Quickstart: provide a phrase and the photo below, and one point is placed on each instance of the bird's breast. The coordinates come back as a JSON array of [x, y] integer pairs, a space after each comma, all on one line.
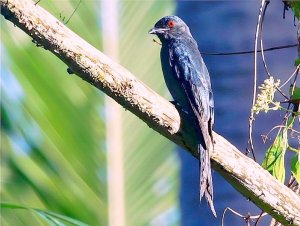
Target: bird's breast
[[172, 80]]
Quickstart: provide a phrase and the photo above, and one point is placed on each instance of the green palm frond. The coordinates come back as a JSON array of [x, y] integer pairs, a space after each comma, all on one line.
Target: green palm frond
[[53, 125]]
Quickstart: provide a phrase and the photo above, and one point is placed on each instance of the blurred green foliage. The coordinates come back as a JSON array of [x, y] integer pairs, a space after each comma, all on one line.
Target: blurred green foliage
[[53, 150], [295, 6], [274, 159], [49, 217]]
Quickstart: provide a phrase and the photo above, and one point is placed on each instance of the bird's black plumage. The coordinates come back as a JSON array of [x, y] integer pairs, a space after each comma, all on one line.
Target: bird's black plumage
[[188, 81]]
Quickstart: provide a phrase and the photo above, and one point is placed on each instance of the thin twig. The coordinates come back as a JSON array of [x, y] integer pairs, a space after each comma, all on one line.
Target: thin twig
[[265, 137], [293, 184], [157, 42], [73, 12], [291, 181], [259, 218], [294, 82], [251, 118], [245, 217], [282, 93], [261, 39], [294, 73], [293, 85], [262, 49]]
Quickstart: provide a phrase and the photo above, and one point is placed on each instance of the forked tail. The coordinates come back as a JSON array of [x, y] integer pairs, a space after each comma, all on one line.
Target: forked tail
[[206, 185]]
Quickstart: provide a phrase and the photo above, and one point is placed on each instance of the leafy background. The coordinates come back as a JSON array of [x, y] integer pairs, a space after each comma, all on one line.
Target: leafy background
[[53, 146]]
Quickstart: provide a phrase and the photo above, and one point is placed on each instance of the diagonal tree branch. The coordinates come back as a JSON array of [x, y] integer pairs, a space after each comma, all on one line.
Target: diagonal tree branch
[[241, 172]]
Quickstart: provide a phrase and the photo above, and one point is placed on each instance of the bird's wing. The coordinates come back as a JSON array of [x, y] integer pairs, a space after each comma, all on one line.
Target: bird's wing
[[190, 70]]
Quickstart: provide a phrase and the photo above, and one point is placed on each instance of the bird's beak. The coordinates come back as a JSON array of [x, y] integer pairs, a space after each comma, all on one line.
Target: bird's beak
[[155, 30]]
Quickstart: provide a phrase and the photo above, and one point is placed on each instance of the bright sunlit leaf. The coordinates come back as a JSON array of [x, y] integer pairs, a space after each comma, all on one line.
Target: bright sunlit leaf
[[295, 167], [50, 217], [274, 158], [297, 62], [296, 94]]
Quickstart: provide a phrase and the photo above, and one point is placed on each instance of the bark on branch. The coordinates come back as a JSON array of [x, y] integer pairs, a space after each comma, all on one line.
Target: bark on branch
[[244, 174]]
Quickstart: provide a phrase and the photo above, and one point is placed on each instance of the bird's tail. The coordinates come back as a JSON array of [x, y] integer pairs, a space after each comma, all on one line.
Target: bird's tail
[[206, 185]]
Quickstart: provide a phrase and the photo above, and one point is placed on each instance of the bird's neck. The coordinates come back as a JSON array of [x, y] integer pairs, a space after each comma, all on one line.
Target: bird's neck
[[170, 40]]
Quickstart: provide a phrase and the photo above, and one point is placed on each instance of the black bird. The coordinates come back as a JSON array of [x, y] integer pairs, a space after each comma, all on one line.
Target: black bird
[[188, 81]]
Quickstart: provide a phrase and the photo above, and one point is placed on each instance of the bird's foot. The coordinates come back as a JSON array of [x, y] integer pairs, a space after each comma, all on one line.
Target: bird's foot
[[174, 102]]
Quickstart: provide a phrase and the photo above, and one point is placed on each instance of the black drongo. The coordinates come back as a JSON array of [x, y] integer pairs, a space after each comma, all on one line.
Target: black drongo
[[188, 81]]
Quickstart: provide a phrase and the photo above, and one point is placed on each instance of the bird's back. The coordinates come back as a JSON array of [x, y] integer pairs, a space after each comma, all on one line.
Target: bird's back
[[183, 68]]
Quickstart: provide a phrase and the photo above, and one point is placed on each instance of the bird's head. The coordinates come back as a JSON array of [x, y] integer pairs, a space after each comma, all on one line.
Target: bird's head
[[170, 27]]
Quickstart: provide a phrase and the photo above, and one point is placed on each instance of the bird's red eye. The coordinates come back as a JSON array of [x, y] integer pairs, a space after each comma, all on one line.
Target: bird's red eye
[[171, 23]]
